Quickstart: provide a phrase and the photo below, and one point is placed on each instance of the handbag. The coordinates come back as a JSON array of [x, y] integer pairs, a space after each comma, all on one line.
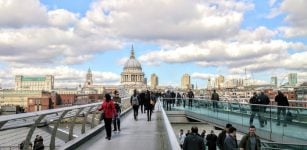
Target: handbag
[[152, 102], [102, 115]]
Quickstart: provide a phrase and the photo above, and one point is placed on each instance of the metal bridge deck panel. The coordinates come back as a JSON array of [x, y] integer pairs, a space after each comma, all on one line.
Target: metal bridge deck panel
[[134, 135]]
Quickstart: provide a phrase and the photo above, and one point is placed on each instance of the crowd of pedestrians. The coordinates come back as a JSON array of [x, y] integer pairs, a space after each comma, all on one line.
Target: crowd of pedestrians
[[259, 107], [111, 108], [146, 100], [225, 140]]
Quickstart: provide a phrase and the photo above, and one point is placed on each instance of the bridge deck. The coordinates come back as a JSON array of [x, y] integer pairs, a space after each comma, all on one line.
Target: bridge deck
[[134, 135]]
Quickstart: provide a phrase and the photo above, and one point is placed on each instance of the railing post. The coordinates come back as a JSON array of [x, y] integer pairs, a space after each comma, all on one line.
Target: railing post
[[270, 121], [55, 129], [72, 125], [30, 133], [85, 120], [93, 119]]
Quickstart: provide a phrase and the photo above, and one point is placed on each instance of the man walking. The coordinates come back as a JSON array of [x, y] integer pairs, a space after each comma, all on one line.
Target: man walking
[[116, 119], [254, 109], [230, 142], [250, 141], [134, 101], [262, 109], [211, 140], [190, 96], [282, 103], [193, 141], [215, 98], [221, 137]]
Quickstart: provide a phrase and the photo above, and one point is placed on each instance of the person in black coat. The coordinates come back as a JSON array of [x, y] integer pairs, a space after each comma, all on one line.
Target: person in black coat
[[142, 100], [211, 140], [193, 141], [255, 109], [264, 101], [282, 101], [148, 105]]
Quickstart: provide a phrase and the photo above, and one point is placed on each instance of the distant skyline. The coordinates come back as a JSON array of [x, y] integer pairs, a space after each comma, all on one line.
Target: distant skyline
[[253, 39]]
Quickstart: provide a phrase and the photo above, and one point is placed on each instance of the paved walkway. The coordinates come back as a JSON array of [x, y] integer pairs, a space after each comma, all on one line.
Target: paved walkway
[[134, 135]]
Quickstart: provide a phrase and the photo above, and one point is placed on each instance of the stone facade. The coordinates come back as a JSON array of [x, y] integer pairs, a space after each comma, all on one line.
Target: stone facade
[[45, 83]]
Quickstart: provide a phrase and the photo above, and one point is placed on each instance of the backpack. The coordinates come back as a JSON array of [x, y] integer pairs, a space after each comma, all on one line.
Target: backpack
[[135, 100]]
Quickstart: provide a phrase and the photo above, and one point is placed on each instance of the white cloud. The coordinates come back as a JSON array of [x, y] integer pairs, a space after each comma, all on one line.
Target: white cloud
[[175, 19], [55, 37], [296, 13], [62, 18], [16, 13], [260, 54]]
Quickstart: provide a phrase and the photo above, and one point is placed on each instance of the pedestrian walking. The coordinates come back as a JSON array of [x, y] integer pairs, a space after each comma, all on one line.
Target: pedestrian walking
[[190, 96], [193, 141], [181, 137], [211, 140], [108, 109], [215, 98], [282, 103], [134, 101], [230, 142], [221, 137], [250, 141], [117, 104], [255, 108]]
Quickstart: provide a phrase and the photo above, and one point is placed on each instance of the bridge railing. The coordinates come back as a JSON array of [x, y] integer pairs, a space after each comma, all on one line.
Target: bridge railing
[[85, 116], [276, 123], [170, 132]]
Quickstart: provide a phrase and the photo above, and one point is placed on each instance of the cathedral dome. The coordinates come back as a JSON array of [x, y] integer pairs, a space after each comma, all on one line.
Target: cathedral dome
[[132, 63]]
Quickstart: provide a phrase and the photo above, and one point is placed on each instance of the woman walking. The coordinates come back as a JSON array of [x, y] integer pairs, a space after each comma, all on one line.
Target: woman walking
[[108, 109]]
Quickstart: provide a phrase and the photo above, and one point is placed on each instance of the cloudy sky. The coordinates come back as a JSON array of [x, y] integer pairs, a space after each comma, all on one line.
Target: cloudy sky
[[204, 38]]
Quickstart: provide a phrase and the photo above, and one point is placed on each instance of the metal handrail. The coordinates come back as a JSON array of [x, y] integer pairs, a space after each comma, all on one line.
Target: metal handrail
[[236, 103], [171, 135], [34, 119], [43, 112]]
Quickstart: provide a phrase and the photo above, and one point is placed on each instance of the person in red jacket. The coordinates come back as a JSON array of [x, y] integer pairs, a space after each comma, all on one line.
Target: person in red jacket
[[109, 112]]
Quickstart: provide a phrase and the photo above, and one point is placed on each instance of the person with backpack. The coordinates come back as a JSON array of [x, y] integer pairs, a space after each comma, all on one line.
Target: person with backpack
[[215, 98], [109, 112], [282, 102], [116, 119], [134, 101]]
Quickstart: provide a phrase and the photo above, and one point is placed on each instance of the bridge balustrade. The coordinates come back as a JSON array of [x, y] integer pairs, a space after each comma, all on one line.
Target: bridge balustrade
[[62, 120], [291, 129]]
